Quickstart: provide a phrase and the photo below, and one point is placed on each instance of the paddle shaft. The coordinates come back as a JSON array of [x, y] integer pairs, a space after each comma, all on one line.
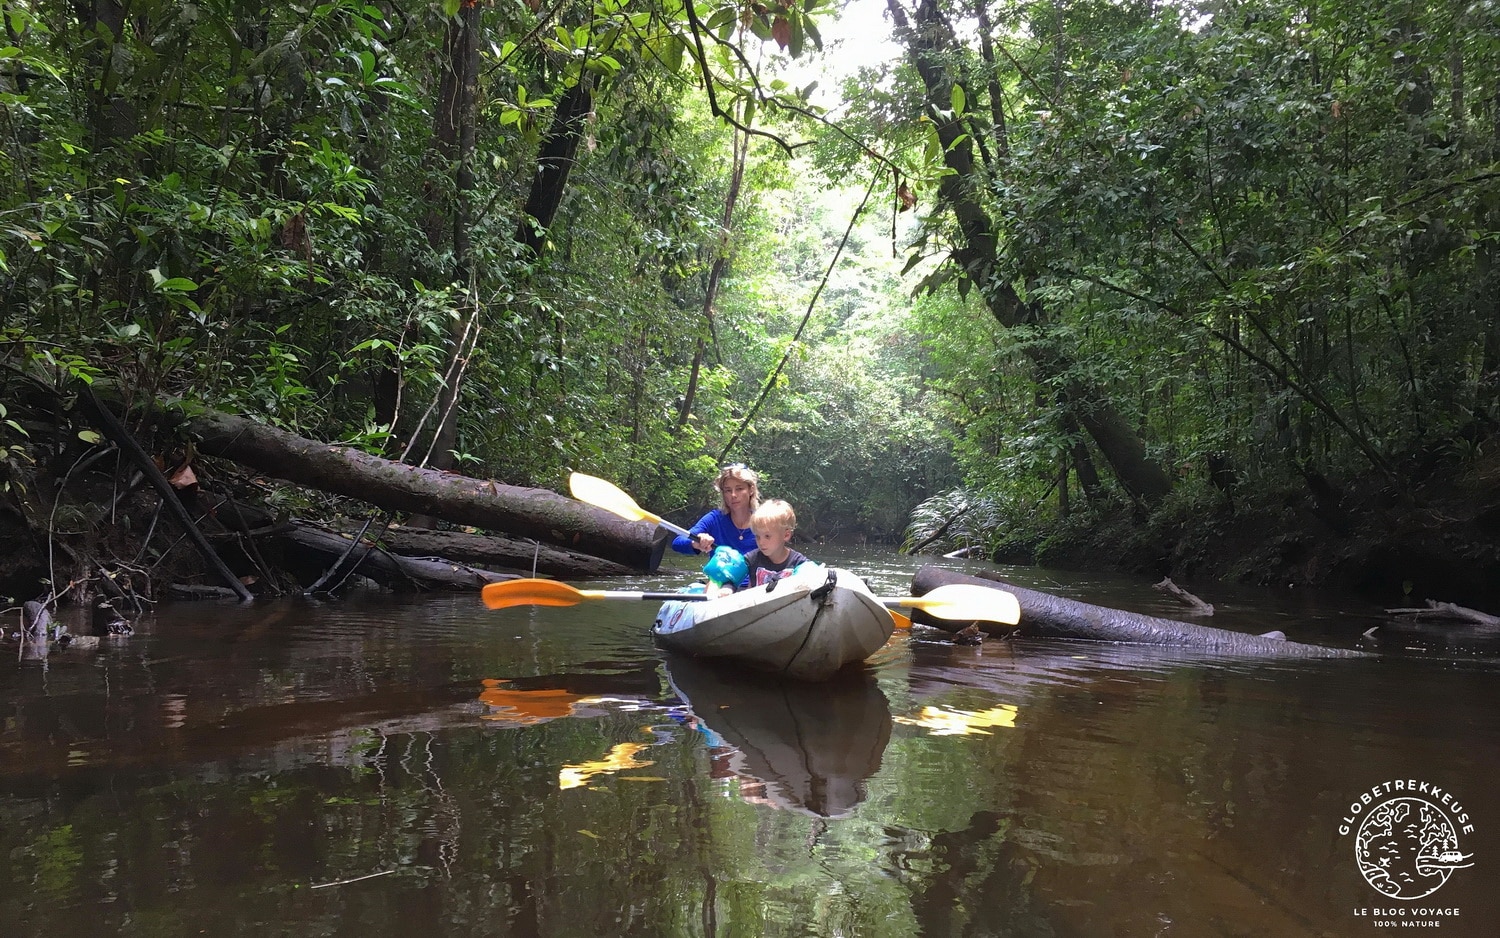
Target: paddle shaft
[[664, 523], [632, 595]]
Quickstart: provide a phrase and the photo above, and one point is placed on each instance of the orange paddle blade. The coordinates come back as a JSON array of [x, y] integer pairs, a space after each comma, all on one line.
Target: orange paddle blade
[[900, 621], [530, 592]]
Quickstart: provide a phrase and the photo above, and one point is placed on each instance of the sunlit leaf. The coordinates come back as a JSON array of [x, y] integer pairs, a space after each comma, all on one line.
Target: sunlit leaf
[[946, 721]]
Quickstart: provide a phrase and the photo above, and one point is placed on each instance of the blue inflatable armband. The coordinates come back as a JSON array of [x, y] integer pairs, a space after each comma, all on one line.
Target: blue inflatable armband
[[726, 567]]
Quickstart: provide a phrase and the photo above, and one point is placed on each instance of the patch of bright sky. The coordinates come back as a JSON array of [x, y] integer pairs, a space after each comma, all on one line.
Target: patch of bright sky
[[859, 37]]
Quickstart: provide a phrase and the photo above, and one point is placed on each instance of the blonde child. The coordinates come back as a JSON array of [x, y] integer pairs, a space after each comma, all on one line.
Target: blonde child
[[773, 523]]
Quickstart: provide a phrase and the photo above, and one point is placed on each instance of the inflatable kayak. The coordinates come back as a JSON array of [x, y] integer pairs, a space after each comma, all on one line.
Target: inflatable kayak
[[806, 626]]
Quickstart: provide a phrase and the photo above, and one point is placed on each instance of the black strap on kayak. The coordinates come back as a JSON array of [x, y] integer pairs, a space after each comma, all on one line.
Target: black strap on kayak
[[823, 596], [820, 595]]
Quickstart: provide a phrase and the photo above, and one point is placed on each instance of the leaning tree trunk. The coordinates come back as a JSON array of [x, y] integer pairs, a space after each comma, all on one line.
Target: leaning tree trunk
[[525, 512], [1047, 616], [554, 163], [715, 274], [930, 45]]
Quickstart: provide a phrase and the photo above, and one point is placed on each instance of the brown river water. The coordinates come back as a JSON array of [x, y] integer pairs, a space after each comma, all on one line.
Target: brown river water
[[424, 766]]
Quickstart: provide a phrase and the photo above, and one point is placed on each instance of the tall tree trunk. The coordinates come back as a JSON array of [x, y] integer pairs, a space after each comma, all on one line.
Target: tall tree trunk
[[453, 129], [1487, 307], [111, 116], [929, 42], [554, 162]]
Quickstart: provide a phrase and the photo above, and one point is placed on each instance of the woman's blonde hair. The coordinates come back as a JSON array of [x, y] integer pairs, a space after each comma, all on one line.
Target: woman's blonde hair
[[742, 473], [774, 514]]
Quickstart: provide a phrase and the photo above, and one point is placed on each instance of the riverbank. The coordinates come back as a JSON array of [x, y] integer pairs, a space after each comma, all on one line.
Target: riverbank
[[77, 516], [1439, 540]]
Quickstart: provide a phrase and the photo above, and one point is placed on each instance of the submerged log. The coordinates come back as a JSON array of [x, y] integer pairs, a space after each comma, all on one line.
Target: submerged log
[[516, 510], [525, 557], [1045, 615], [508, 554], [1449, 612], [317, 550]]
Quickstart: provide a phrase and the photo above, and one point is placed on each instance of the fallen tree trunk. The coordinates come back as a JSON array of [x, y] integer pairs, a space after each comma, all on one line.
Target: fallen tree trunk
[[511, 555], [313, 551], [519, 511], [524, 557], [1044, 615]]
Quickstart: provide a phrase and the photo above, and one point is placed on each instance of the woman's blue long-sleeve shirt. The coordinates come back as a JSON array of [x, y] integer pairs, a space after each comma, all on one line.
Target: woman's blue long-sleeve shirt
[[717, 525]]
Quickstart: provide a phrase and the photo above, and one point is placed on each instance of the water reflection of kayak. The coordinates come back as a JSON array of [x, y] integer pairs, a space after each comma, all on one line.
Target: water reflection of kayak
[[806, 626], [811, 746]]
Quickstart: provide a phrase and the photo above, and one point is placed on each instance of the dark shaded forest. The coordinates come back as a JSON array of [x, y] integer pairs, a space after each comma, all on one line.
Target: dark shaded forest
[[1206, 290]]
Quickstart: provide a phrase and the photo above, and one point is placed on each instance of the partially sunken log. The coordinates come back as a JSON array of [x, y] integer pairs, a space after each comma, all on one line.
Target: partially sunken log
[[1450, 612], [527, 558], [515, 510], [316, 550], [1044, 615]]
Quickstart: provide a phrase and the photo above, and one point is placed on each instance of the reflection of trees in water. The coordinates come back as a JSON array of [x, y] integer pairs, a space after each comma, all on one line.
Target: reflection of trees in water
[[975, 880]]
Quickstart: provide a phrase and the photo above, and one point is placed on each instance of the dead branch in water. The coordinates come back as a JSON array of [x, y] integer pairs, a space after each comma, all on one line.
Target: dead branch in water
[[1193, 602], [1449, 612]]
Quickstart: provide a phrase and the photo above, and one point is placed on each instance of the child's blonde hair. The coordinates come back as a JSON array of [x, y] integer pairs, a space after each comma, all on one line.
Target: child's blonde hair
[[772, 514]]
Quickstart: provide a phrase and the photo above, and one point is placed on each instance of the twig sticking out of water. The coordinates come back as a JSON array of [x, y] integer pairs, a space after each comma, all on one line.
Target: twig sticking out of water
[[345, 882], [1197, 605]]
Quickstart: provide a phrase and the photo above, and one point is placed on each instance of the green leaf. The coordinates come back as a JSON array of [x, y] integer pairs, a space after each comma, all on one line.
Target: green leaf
[[671, 53]]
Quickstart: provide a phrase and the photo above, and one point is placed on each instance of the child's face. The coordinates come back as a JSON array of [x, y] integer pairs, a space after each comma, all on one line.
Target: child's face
[[773, 541]]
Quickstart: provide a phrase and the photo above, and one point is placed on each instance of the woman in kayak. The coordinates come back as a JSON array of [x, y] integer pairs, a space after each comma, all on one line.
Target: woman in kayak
[[729, 526]]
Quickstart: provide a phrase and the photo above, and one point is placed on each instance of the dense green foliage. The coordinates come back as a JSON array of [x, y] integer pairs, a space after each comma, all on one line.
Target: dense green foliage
[[1267, 231], [1150, 241], [266, 207]]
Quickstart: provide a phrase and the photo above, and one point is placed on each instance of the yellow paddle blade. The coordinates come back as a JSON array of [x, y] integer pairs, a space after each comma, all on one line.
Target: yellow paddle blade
[[965, 601], [530, 592], [898, 620], [603, 494], [610, 497]]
